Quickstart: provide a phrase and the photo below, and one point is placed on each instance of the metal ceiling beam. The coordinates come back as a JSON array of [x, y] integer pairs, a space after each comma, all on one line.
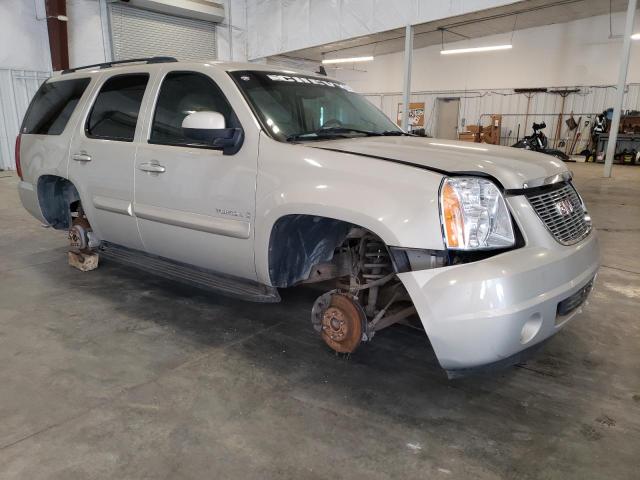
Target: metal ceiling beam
[[408, 57], [622, 79]]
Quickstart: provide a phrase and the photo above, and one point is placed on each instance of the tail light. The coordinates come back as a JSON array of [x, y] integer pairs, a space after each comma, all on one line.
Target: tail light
[[18, 166]]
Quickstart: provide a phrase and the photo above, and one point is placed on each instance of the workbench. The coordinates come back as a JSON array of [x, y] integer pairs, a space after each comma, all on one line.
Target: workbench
[[628, 141]]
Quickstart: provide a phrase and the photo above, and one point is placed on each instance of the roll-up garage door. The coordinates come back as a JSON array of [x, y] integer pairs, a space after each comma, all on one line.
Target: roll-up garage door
[[137, 33]]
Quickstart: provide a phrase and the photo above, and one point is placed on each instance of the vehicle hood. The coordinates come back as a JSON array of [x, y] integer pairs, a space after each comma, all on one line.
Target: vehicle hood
[[512, 167]]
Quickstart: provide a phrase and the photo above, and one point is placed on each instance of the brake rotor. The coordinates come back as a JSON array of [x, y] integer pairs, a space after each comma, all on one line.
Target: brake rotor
[[341, 323]]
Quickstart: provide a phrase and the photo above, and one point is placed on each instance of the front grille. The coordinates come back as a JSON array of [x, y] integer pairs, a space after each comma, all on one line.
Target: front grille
[[562, 212]]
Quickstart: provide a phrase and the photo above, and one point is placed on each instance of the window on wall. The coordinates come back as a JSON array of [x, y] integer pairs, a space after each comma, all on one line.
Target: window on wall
[[181, 94], [115, 112], [52, 106]]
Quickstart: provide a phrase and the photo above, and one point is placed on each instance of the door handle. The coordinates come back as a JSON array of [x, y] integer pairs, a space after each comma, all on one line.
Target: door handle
[[153, 167], [81, 157]]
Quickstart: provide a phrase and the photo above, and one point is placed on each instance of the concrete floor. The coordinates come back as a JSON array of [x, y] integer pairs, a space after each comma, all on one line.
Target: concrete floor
[[114, 374]]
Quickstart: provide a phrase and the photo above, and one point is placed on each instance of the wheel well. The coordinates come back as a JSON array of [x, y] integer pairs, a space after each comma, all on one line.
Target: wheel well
[[298, 242], [58, 197]]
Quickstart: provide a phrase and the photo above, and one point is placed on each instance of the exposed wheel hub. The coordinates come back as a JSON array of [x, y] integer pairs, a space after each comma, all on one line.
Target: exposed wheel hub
[[340, 321]]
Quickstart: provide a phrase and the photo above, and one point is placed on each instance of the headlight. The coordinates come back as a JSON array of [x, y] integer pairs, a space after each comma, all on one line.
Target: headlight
[[474, 215]]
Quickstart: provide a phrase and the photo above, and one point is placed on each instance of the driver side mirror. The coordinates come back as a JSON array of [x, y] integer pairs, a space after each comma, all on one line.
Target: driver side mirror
[[210, 129]]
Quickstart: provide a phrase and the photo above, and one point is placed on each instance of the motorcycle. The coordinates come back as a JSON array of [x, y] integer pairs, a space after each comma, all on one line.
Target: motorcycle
[[538, 142]]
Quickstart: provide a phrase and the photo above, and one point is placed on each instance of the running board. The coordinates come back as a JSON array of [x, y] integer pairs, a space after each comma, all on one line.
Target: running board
[[190, 275]]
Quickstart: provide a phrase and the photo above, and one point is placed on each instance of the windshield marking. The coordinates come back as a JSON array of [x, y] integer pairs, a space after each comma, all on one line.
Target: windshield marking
[[313, 81]]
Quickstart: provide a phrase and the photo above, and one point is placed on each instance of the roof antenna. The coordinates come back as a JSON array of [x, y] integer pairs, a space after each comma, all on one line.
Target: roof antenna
[[321, 69]]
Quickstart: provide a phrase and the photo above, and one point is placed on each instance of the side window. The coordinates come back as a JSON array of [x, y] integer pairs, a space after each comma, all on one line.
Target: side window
[[115, 112], [52, 106], [181, 94]]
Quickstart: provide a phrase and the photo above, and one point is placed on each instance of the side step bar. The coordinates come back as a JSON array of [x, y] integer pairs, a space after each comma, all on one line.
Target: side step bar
[[190, 275]]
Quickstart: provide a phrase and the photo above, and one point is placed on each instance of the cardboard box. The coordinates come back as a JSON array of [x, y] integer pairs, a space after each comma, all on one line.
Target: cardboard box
[[469, 137], [474, 128]]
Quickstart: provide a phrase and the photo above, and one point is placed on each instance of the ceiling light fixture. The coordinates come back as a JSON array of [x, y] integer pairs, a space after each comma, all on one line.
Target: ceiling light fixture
[[635, 36], [347, 60], [476, 49]]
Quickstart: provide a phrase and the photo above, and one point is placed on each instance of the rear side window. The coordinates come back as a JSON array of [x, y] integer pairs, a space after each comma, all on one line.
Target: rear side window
[[115, 112], [52, 106], [181, 94]]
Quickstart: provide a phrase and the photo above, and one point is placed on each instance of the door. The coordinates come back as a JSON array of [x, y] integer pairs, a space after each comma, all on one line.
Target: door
[[138, 33], [448, 109], [194, 203], [102, 158]]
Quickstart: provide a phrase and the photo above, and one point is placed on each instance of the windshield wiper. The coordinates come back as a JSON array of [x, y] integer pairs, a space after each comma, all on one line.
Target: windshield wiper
[[324, 133], [395, 133]]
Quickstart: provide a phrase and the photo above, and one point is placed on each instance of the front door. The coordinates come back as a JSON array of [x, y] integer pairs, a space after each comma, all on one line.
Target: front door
[[195, 204], [102, 158]]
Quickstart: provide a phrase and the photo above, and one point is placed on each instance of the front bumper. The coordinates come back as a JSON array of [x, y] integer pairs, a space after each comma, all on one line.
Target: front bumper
[[487, 312]]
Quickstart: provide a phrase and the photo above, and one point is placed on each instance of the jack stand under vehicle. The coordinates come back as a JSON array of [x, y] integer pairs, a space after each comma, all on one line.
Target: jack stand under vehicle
[[82, 243]]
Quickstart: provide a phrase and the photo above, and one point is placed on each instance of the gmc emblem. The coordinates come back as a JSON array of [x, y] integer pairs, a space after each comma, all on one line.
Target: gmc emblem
[[564, 207]]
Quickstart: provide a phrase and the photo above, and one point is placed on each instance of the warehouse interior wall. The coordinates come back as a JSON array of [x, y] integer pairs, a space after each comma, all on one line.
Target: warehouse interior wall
[[24, 41], [278, 26], [89, 32], [25, 62], [564, 54], [233, 27], [574, 55]]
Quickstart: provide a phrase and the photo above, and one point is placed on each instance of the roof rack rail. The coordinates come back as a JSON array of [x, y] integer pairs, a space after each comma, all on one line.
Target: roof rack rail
[[120, 62]]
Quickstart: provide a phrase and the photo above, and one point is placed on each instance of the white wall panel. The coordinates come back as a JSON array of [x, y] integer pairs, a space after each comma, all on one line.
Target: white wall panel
[[24, 42], [86, 38], [477, 105], [236, 16], [397, 12], [294, 12], [279, 26], [573, 53], [322, 25], [356, 18], [17, 88]]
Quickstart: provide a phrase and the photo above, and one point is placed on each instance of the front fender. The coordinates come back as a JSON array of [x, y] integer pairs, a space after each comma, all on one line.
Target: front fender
[[398, 203]]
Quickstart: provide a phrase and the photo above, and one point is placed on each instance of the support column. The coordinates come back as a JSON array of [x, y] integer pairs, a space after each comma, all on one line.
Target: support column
[[408, 56], [622, 79], [58, 43]]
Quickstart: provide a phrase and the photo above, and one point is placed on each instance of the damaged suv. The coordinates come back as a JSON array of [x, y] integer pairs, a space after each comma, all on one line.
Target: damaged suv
[[244, 179]]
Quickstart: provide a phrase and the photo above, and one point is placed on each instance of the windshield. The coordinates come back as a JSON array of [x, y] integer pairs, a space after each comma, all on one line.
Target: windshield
[[299, 107]]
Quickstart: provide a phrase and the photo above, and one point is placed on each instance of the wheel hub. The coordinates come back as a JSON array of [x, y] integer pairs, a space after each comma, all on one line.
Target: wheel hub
[[341, 324]]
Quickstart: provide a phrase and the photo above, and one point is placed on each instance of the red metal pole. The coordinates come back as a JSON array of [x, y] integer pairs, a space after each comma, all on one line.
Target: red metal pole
[[58, 42]]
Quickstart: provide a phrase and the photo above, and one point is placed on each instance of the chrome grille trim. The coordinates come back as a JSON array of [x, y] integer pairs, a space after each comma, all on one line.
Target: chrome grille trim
[[567, 228]]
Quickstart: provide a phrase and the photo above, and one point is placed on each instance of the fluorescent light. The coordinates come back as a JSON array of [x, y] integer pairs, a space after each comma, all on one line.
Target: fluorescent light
[[347, 60], [635, 36], [476, 49]]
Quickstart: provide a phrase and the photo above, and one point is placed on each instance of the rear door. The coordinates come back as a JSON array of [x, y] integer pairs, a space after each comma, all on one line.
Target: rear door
[[102, 157], [194, 204]]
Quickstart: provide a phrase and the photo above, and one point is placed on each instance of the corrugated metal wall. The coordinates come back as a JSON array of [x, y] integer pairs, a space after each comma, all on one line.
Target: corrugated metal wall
[[477, 105], [17, 87], [137, 33]]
